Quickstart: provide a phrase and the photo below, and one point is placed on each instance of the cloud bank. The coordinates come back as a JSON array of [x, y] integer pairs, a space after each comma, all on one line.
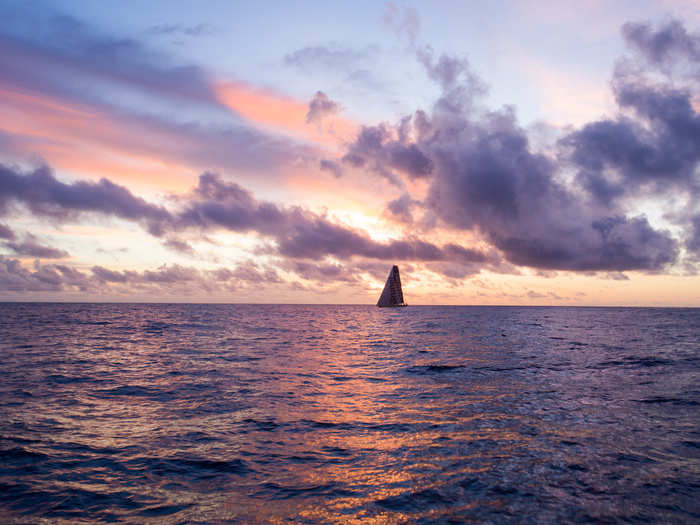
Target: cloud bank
[[485, 177]]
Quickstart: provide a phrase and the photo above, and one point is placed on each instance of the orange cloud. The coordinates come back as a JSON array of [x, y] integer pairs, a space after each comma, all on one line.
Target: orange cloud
[[281, 113], [80, 139]]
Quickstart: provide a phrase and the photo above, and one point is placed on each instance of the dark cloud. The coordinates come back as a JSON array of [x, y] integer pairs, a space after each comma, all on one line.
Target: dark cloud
[[32, 248], [693, 241], [244, 274], [489, 180], [667, 43], [216, 204], [300, 234], [6, 233], [656, 152], [321, 272], [486, 177], [321, 106], [616, 276], [331, 166], [454, 272], [385, 150], [44, 195], [402, 208], [111, 276], [179, 246], [14, 277], [170, 274], [653, 150], [252, 272]]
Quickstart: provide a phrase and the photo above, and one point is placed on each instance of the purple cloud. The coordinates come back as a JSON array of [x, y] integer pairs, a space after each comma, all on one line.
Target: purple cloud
[[663, 45], [53, 277], [385, 150], [6, 232], [402, 208], [331, 166], [44, 195], [216, 204], [32, 248], [321, 106], [485, 177], [179, 246]]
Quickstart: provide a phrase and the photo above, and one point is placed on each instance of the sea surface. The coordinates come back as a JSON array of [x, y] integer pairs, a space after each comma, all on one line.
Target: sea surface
[[162, 413]]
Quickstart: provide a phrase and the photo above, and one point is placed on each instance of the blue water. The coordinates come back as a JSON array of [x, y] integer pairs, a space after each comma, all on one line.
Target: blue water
[[348, 414]]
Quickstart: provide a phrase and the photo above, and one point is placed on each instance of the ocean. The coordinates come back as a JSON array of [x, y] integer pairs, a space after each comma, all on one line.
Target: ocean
[[193, 413]]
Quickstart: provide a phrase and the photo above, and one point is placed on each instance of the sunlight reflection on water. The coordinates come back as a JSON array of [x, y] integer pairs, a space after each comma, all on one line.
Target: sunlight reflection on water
[[202, 413]]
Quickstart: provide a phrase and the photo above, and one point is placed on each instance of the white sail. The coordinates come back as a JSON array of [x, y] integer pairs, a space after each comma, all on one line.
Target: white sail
[[392, 295]]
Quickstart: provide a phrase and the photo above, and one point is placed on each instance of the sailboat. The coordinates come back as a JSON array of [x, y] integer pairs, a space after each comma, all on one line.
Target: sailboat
[[392, 295]]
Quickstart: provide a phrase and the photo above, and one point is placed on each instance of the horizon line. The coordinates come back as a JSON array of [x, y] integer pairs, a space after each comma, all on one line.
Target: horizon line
[[2, 301]]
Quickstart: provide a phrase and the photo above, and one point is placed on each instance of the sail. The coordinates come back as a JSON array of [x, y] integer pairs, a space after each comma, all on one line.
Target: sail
[[392, 295]]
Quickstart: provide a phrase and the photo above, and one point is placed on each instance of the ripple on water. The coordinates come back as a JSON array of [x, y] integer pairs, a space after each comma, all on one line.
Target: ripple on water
[[324, 414]]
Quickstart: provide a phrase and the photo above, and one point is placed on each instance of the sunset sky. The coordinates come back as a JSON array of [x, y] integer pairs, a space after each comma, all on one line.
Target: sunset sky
[[535, 153]]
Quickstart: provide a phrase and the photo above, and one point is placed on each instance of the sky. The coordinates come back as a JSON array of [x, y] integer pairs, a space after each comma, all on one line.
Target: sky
[[515, 153]]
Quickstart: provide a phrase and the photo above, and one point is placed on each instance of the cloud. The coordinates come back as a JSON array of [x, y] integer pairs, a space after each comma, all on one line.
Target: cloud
[[181, 30], [453, 74], [6, 232], [79, 88], [321, 272], [402, 208], [179, 246], [617, 276], [666, 44], [331, 166], [111, 276], [299, 233], [657, 151], [693, 242], [482, 174], [165, 280], [44, 195], [535, 295], [217, 204], [384, 150], [244, 274], [320, 107], [488, 179], [32, 248], [485, 176], [54, 277], [330, 56], [66, 57], [252, 272], [403, 20]]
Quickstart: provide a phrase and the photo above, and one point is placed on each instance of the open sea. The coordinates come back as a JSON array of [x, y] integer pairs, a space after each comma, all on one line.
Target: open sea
[[189, 413]]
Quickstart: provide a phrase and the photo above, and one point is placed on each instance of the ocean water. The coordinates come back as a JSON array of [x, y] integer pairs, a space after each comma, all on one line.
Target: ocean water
[[348, 414]]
